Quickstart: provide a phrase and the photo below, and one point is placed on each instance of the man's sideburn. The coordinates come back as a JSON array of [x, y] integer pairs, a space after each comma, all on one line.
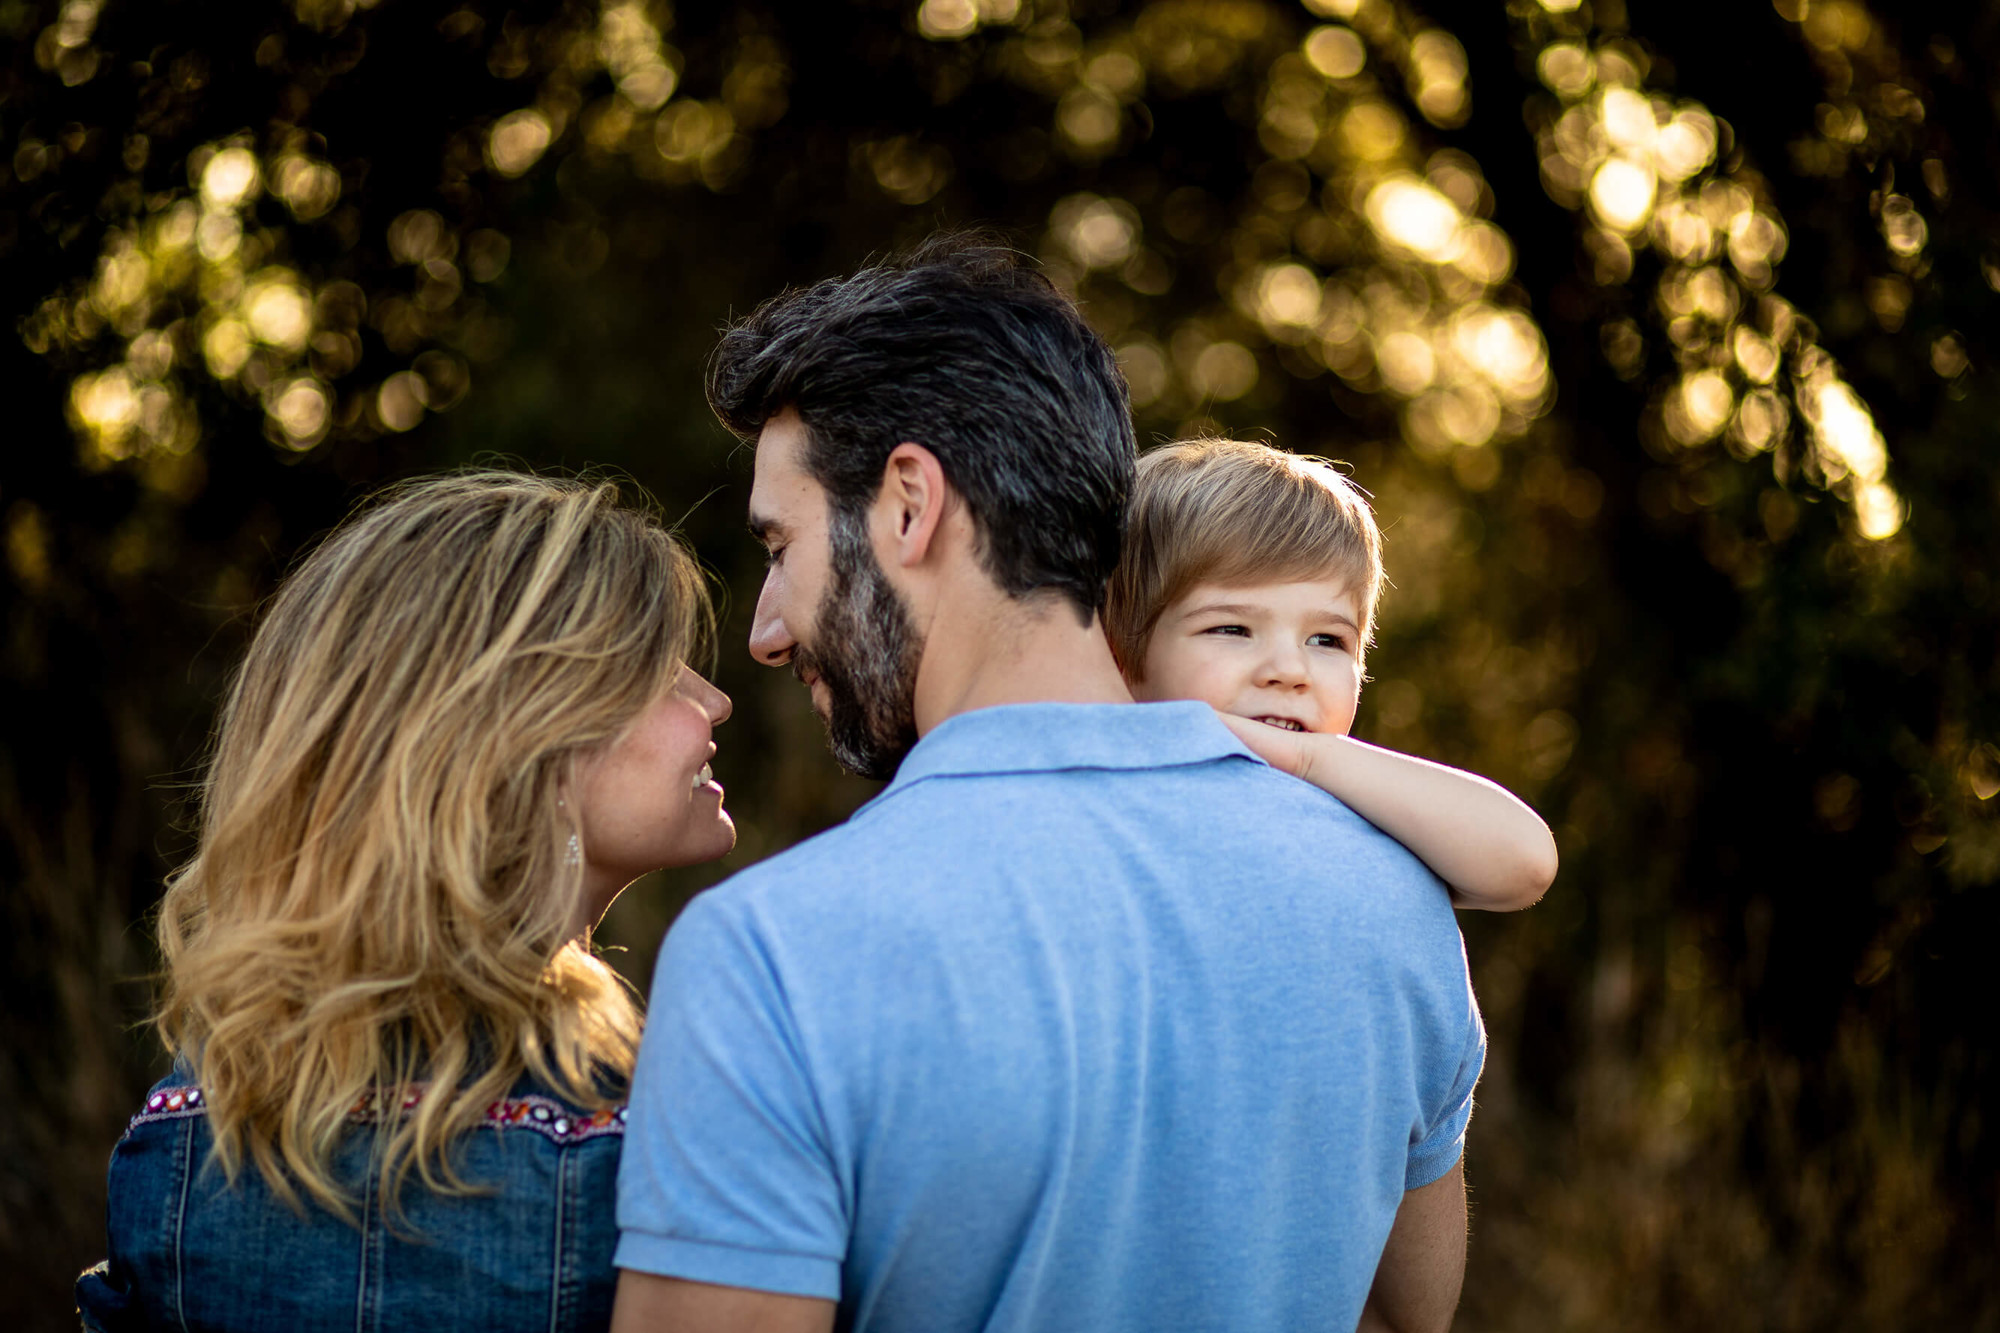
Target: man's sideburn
[[866, 651]]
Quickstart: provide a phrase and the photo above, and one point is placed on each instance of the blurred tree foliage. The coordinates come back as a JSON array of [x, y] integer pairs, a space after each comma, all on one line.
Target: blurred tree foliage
[[1660, 334]]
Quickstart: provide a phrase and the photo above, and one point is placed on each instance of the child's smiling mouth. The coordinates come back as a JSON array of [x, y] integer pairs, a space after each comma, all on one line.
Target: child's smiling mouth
[[1283, 723]]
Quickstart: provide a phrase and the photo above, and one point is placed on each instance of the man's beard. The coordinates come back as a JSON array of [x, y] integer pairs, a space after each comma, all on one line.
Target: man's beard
[[866, 653]]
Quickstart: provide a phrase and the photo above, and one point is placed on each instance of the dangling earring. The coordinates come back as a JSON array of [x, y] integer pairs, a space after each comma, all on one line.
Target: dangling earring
[[575, 856]]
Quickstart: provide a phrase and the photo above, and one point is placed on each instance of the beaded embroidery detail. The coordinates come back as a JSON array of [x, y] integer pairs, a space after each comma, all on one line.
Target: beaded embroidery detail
[[544, 1115]]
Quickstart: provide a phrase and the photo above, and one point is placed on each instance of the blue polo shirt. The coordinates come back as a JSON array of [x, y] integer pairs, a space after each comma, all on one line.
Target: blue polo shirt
[[1090, 1020]]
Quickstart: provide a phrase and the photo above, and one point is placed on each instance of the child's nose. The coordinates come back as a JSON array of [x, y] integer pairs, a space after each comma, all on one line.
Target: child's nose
[[1284, 667]]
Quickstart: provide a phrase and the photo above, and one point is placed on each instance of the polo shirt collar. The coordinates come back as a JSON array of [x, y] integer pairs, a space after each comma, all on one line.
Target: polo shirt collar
[[1039, 738]]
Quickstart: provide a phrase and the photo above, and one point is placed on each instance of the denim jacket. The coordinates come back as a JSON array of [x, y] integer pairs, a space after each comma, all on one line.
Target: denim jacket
[[189, 1251]]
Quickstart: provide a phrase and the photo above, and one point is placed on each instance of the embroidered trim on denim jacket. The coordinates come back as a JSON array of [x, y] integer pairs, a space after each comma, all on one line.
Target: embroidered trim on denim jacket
[[544, 1115]]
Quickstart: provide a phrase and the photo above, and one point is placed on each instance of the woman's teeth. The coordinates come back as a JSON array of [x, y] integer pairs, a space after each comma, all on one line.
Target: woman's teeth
[[703, 778], [1282, 723]]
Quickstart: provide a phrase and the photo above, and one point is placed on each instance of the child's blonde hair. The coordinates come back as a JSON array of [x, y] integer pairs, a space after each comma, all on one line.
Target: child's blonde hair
[[384, 892], [1231, 512]]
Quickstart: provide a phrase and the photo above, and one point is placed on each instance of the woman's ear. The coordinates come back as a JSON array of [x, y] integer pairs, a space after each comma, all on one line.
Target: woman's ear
[[911, 504]]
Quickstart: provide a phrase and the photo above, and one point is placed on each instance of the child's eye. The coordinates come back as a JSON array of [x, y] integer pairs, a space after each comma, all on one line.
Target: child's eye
[[1328, 641], [1236, 630]]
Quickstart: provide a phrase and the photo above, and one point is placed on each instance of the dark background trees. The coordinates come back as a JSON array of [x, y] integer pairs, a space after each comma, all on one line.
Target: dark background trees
[[1660, 333]]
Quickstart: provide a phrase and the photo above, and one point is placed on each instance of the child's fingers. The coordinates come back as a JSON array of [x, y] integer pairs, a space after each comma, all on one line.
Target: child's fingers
[[1282, 750]]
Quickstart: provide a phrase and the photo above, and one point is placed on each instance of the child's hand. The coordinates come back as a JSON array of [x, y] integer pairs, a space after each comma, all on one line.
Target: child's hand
[[1287, 751], [1489, 847]]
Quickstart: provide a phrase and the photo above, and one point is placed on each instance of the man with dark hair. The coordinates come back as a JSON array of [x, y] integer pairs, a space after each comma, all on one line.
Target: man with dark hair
[[1018, 400], [1090, 1020]]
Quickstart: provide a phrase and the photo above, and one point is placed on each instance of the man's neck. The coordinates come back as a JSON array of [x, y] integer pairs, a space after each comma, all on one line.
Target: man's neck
[[983, 651]]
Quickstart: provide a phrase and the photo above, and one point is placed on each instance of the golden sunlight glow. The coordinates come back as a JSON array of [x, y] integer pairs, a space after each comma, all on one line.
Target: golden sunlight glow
[[1373, 131], [951, 20], [947, 20], [908, 170], [1335, 51], [1409, 213], [1438, 62], [1289, 294], [226, 347], [1089, 118], [1755, 354], [1849, 443], [302, 410], [277, 312], [1760, 421], [416, 236], [230, 178], [1505, 347], [628, 44], [1098, 232], [1224, 371], [1878, 511], [1621, 194], [1628, 121], [218, 235], [1566, 69], [1701, 407], [1903, 227], [309, 188], [1684, 145], [107, 406], [1406, 363], [122, 277], [517, 141], [400, 401], [1647, 169], [1146, 374]]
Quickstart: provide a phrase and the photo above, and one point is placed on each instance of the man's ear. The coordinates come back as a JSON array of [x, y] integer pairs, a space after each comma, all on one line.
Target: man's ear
[[911, 504]]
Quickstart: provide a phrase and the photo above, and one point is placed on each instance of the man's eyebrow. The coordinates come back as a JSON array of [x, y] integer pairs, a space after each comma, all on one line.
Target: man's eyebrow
[[765, 530]]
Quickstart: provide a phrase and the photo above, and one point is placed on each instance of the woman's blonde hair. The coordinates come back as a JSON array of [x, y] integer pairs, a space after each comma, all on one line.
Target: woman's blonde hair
[[1232, 512], [384, 893]]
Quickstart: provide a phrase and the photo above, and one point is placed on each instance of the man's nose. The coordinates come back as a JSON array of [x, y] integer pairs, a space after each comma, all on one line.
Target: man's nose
[[770, 642]]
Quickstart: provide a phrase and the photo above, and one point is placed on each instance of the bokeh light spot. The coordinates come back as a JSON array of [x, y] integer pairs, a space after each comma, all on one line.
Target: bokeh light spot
[[277, 312], [1335, 51], [400, 401], [1289, 294], [1701, 407], [230, 178], [947, 20], [1098, 232], [517, 141], [302, 411], [1225, 371], [1406, 363], [1415, 216], [1621, 194]]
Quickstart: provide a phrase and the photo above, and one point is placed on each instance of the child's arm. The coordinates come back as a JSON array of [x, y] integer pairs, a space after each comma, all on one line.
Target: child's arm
[[1478, 837]]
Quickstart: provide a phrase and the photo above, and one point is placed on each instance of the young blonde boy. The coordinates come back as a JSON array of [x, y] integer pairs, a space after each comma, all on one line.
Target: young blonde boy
[[1249, 582]]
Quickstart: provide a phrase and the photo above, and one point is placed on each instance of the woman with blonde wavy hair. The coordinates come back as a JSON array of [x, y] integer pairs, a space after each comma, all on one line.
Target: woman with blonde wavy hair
[[465, 722]]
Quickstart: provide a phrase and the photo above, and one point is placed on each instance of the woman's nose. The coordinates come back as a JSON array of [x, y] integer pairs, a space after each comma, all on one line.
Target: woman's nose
[[713, 701]]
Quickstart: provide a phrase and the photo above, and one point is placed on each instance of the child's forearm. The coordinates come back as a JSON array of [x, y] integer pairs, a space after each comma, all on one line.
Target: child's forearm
[[1484, 842]]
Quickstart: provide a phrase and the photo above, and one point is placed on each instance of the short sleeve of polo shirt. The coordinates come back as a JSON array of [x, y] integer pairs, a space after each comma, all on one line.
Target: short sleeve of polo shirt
[[726, 1175], [1434, 1147]]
